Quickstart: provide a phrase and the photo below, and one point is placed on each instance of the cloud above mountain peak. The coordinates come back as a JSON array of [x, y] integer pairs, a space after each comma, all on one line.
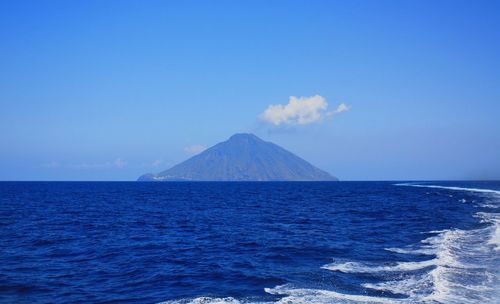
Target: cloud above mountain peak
[[300, 111]]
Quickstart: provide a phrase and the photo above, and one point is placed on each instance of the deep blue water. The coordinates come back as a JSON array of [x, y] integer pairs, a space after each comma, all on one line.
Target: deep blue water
[[345, 242]]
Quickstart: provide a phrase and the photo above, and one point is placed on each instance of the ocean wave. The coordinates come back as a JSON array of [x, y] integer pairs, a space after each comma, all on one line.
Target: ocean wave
[[494, 220], [355, 267], [204, 300], [413, 251], [495, 238], [318, 296], [292, 295]]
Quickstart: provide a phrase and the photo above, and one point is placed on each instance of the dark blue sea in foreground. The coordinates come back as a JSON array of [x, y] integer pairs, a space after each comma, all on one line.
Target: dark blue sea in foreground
[[346, 242]]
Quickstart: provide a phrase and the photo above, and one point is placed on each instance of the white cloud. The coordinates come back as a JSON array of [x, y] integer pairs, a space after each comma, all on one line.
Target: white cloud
[[300, 111], [194, 149], [341, 108]]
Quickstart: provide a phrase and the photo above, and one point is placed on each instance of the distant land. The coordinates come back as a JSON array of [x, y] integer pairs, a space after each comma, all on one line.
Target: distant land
[[243, 157]]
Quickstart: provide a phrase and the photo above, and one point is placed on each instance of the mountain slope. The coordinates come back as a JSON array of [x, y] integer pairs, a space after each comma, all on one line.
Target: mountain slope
[[243, 157]]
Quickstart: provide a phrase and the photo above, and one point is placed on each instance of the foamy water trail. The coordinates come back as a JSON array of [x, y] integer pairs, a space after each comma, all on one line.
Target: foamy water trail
[[354, 267], [491, 202], [463, 267], [317, 296], [494, 219], [461, 272], [480, 190], [204, 300], [426, 250]]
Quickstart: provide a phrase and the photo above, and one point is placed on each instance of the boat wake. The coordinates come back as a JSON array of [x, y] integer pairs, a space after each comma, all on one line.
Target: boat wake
[[459, 267], [480, 190]]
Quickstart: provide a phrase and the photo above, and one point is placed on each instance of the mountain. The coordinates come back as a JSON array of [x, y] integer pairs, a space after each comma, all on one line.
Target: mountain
[[243, 157]]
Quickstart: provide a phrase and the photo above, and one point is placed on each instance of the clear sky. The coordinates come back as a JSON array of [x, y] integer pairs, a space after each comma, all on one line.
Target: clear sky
[[109, 90]]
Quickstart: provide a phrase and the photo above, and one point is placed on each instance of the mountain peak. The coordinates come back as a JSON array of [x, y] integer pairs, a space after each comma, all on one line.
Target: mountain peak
[[243, 157], [244, 136]]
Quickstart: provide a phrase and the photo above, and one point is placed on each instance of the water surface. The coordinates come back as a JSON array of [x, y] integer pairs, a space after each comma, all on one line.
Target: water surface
[[319, 242]]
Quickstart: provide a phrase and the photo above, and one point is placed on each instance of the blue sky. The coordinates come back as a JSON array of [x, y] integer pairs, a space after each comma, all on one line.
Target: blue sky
[[109, 90]]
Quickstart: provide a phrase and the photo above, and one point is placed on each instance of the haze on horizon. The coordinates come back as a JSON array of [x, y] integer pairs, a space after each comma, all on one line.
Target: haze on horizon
[[365, 90]]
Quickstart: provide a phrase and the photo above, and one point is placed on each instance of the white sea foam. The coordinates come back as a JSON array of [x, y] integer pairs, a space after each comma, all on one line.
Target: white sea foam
[[425, 250], [355, 267], [488, 205], [494, 219], [204, 300], [481, 190], [495, 238], [317, 296]]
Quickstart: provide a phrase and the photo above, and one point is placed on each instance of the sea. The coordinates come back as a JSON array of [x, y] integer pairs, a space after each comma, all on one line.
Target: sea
[[250, 242]]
